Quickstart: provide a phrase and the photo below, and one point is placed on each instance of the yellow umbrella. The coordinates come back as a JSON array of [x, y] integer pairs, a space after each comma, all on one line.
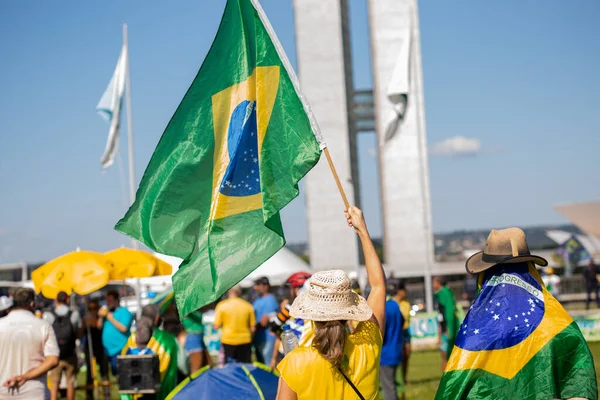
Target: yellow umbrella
[[130, 263], [82, 272]]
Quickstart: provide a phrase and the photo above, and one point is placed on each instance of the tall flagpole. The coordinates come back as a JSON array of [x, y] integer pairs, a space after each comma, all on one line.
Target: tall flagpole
[[417, 87], [134, 243]]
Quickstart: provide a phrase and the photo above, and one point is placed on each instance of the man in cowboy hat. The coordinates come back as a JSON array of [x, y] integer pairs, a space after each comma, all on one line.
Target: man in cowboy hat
[[516, 340]]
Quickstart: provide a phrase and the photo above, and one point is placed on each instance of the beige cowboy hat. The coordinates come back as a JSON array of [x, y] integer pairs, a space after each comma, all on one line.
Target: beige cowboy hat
[[504, 246], [330, 297]]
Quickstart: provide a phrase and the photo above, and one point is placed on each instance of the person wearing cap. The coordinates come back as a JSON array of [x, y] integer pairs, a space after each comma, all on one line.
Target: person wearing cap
[[296, 282], [265, 305], [28, 350], [516, 341], [150, 339], [338, 364], [235, 317]]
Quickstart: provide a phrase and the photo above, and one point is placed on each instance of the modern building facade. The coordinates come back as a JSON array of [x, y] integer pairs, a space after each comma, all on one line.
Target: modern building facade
[[394, 109]]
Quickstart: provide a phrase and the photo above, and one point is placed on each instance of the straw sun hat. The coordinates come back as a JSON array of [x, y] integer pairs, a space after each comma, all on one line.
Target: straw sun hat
[[330, 297], [505, 246]]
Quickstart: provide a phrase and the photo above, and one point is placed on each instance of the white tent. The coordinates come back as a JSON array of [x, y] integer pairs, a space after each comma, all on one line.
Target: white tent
[[174, 261], [277, 268], [586, 216]]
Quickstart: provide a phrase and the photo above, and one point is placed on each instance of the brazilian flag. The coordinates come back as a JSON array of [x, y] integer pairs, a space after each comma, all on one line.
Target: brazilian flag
[[518, 342], [229, 160], [571, 253]]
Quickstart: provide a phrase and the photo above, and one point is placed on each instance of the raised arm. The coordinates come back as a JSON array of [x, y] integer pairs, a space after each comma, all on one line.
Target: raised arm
[[375, 274]]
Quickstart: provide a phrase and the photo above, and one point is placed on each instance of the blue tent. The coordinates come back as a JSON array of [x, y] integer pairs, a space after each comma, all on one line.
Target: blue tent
[[233, 381]]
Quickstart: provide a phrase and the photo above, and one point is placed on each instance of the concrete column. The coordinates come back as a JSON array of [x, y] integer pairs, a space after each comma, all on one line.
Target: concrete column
[[322, 75], [403, 159]]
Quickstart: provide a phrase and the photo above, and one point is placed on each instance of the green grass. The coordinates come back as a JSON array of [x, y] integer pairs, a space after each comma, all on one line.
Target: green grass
[[424, 373]]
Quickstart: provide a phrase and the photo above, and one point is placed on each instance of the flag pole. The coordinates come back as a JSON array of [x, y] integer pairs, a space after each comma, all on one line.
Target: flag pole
[[418, 81], [134, 243], [337, 178]]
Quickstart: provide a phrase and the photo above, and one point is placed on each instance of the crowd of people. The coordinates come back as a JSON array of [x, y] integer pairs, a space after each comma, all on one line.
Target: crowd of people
[[49, 345], [348, 346], [95, 335]]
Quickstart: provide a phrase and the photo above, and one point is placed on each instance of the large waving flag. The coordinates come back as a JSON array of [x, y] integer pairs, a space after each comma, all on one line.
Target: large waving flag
[[229, 160], [571, 253], [517, 341], [109, 108]]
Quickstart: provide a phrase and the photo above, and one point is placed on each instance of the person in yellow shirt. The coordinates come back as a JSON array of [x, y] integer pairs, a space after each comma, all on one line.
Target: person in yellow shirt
[[235, 318], [338, 364]]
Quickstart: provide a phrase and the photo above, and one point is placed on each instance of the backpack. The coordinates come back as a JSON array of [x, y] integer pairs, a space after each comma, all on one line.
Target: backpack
[[65, 335]]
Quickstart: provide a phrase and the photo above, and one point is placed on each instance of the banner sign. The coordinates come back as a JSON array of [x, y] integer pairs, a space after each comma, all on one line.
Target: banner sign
[[424, 330], [212, 338], [589, 326]]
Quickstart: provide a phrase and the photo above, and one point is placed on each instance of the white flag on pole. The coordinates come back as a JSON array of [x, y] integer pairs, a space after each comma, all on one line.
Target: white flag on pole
[[399, 86], [109, 108]]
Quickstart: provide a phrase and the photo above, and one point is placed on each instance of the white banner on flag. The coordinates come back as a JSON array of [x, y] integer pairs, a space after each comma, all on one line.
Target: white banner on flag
[[399, 86], [109, 108]]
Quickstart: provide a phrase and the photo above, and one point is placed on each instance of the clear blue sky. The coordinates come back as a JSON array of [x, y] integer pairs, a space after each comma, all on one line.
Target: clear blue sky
[[519, 77]]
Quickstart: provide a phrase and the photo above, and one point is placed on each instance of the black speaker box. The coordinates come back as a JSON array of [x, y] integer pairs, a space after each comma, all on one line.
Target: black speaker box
[[138, 374]]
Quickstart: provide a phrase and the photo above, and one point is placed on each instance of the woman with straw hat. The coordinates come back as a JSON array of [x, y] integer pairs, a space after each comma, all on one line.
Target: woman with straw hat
[[338, 364]]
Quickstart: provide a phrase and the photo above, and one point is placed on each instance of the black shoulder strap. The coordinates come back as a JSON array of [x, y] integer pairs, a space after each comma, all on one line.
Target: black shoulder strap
[[360, 396]]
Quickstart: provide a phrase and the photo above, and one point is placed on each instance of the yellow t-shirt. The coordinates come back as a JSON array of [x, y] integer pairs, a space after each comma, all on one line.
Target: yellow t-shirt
[[311, 376], [405, 310], [235, 317]]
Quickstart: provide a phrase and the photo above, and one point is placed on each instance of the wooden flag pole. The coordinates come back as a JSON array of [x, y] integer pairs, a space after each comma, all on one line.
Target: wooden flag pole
[[337, 178]]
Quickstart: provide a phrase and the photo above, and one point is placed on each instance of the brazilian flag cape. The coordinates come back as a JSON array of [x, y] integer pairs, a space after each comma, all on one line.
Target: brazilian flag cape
[[518, 342]]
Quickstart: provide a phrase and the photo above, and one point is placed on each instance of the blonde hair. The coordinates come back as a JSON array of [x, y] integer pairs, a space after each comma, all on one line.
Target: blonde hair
[[329, 340]]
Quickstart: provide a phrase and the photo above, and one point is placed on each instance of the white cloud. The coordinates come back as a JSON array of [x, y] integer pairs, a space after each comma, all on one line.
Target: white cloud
[[458, 146]]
